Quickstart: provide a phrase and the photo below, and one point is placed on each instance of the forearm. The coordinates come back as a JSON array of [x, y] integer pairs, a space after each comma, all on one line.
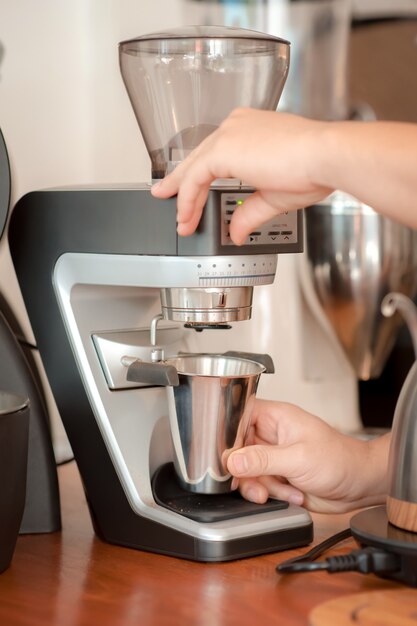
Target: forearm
[[375, 162]]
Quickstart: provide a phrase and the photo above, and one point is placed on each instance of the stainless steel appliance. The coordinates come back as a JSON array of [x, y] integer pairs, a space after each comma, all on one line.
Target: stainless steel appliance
[[92, 263], [354, 258], [402, 495], [319, 34], [393, 528]]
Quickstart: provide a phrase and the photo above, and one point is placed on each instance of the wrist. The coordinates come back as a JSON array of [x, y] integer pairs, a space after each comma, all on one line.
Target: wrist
[[365, 481], [378, 463], [374, 471]]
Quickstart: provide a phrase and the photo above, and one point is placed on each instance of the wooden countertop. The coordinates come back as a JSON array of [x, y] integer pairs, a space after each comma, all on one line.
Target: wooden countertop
[[72, 577]]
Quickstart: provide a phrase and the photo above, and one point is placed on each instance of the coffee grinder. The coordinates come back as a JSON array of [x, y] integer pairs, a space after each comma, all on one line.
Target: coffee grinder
[[115, 298]]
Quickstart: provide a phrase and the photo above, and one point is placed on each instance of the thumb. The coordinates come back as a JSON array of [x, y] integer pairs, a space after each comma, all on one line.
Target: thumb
[[268, 460], [254, 212]]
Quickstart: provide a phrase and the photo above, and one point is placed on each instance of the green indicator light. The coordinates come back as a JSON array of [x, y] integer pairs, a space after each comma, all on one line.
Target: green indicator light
[[239, 202]]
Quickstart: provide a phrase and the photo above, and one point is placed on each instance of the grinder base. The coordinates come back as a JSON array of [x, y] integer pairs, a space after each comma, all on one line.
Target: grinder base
[[202, 507]]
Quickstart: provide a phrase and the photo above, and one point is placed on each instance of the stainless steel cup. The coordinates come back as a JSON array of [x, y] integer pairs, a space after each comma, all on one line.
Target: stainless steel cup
[[209, 413]]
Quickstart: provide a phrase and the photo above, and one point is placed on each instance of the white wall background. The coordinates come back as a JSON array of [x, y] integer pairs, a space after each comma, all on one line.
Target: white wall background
[[64, 111], [63, 106]]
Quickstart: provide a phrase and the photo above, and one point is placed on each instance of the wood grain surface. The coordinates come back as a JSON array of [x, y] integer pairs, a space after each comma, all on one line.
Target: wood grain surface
[[72, 577], [376, 608], [402, 514]]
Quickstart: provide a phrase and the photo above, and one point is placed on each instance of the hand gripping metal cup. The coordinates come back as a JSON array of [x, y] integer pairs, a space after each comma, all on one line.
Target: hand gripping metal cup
[[209, 413]]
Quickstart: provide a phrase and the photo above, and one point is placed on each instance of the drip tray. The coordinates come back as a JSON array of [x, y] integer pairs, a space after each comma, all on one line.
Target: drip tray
[[201, 507]]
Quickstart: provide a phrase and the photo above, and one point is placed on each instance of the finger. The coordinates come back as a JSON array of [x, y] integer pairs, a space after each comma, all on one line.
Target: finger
[[188, 219], [257, 460], [190, 200], [250, 437], [280, 489], [167, 187], [259, 490], [252, 490], [193, 192], [192, 196], [281, 422], [272, 422], [254, 212], [190, 180]]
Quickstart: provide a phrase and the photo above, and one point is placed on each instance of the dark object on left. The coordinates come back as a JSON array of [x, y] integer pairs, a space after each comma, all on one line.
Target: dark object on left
[[14, 431], [19, 375]]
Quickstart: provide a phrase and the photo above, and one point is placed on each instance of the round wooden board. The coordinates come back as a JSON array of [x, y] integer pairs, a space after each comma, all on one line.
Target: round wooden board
[[397, 607]]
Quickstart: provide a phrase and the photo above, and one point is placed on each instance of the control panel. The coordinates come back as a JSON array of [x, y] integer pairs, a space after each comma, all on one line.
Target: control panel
[[281, 229]]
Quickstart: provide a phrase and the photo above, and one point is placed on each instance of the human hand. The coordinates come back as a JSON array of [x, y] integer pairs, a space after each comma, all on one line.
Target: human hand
[[269, 151], [295, 456]]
